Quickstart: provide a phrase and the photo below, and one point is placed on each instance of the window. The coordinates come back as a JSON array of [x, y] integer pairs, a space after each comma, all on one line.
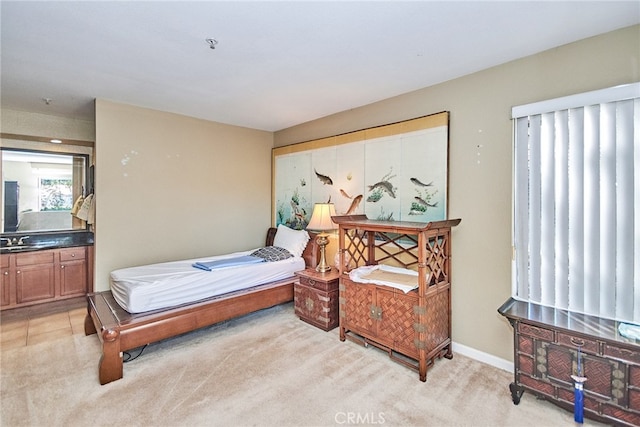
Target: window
[[577, 203], [56, 194]]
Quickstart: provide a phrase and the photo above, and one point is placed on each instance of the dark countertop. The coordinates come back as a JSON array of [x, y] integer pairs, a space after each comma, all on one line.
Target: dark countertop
[[48, 240]]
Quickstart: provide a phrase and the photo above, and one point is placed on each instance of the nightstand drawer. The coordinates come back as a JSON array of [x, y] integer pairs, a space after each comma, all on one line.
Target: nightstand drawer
[[319, 284], [322, 281]]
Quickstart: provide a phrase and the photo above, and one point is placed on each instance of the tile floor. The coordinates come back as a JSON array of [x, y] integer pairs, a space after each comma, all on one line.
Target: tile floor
[[31, 325]]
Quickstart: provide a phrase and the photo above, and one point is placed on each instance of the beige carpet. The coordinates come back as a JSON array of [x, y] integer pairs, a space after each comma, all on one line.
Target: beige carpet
[[268, 368]]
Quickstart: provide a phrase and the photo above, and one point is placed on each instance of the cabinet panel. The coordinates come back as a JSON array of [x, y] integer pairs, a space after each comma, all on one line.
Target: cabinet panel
[[622, 353], [397, 320], [5, 292], [72, 254], [535, 331], [359, 309], [35, 258], [316, 307], [562, 363], [586, 345], [312, 282], [73, 278], [35, 283]]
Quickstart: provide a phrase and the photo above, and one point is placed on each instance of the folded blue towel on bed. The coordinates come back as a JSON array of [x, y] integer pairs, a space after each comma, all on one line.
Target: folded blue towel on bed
[[228, 262]]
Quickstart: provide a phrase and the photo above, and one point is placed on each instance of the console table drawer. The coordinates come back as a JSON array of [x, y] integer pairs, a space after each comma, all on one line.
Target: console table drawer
[[622, 353], [585, 344], [535, 331]]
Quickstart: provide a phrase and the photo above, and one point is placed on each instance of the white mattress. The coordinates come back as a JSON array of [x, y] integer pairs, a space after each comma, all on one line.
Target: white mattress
[[168, 284]]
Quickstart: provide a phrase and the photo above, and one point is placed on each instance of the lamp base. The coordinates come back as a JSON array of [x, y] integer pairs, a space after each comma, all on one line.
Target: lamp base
[[322, 241]]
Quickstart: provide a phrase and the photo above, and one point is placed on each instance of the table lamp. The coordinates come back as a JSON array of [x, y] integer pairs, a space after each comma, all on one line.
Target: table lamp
[[321, 221]]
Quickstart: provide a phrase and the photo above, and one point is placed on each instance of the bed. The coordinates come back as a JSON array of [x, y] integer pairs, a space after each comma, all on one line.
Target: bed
[[120, 331]]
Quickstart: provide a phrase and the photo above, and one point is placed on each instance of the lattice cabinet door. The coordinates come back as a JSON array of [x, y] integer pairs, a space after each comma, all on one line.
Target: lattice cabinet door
[[398, 321], [358, 306]]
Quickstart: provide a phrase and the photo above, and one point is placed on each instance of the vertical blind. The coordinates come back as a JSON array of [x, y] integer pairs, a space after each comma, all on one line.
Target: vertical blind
[[577, 203]]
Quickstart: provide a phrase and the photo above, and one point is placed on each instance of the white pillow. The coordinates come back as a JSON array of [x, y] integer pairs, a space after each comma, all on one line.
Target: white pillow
[[292, 240]]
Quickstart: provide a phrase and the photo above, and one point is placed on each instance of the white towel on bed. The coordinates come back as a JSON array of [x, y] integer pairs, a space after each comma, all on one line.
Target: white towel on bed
[[228, 262]]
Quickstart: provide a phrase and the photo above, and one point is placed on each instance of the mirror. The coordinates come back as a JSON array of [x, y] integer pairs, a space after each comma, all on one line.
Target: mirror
[[39, 189]]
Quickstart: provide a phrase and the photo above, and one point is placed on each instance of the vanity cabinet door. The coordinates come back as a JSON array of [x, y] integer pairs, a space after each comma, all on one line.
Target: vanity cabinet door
[[35, 276], [5, 292], [73, 271]]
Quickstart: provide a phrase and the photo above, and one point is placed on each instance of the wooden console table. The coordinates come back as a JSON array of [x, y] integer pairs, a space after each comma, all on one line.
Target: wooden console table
[[414, 328], [546, 342]]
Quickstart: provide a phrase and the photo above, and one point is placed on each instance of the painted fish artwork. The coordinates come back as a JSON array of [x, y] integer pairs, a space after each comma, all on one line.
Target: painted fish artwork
[[323, 178], [378, 189], [419, 183], [344, 193], [423, 202], [295, 216], [383, 185], [354, 205]]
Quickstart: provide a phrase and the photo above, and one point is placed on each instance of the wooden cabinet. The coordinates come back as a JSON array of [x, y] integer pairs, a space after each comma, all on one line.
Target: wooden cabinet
[[385, 315], [34, 276], [45, 275], [547, 344], [315, 298], [73, 271], [413, 327], [5, 292]]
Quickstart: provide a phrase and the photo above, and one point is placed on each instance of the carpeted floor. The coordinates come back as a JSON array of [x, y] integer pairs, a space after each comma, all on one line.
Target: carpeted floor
[[265, 369]]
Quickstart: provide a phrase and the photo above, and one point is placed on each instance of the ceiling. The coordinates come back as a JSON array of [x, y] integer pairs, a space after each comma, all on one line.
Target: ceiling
[[276, 64]]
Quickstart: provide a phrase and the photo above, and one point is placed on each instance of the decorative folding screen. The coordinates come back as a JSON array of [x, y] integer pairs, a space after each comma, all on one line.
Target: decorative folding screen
[[393, 172]]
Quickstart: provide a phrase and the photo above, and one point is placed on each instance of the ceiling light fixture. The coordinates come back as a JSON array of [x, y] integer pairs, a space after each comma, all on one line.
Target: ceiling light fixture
[[47, 100], [212, 43], [56, 141]]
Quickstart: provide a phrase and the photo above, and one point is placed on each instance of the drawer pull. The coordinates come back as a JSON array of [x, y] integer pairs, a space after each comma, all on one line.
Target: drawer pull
[[577, 342]]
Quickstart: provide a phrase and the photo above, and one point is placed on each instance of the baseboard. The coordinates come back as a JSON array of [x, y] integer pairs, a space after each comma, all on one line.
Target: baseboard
[[482, 357]]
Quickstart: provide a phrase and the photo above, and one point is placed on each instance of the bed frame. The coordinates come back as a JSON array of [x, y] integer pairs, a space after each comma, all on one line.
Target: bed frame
[[121, 331]]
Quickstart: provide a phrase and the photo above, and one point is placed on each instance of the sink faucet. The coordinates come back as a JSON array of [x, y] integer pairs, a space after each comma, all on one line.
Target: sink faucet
[[21, 241], [9, 243]]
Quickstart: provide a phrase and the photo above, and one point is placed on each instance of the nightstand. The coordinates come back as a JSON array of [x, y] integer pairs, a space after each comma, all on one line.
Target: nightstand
[[315, 298]]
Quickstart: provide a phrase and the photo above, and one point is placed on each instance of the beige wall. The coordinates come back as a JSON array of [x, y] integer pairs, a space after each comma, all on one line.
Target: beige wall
[[171, 187], [45, 125], [480, 161]]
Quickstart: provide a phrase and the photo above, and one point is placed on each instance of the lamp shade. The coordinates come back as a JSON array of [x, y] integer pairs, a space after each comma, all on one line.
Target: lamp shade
[[321, 217]]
